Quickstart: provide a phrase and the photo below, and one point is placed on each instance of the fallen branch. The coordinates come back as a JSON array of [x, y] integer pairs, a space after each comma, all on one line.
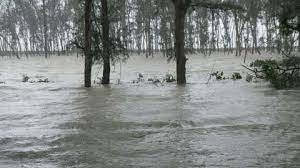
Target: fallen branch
[[211, 73], [255, 71]]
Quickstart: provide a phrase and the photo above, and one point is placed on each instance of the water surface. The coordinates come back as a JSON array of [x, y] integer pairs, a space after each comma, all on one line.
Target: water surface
[[220, 124]]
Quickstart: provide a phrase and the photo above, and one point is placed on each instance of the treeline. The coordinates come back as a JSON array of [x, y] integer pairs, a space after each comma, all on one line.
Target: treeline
[[33, 26], [145, 26], [150, 27]]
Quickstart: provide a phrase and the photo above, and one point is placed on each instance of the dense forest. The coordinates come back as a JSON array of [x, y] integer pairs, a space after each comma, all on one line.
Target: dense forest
[[175, 28]]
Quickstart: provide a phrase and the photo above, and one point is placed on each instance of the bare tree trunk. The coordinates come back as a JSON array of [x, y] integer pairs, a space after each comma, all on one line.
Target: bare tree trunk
[[254, 36], [213, 45], [269, 35], [190, 32], [106, 47], [299, 42], [45, 30], [237, 35], [123, 23], [298, 35], [87, 47], [148, 36], [180, 11]]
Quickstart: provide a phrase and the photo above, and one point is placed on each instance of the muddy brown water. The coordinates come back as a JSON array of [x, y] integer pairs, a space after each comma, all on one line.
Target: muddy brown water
[[220, 124]]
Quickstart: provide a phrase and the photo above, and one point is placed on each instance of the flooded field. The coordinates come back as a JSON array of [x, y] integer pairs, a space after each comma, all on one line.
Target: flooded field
[[220, 124]]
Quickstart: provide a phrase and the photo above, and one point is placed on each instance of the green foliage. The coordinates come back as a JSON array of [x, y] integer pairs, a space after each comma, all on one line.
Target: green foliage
[[219, 75], [281, 74], [289, 21]]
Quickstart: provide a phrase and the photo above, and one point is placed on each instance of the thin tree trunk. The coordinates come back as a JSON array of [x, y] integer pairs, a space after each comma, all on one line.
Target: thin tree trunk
[[87, 48], [298, 35], [237, 35], [213, 45], [123, 23], [45, 30], [190, 33], [106, 47]]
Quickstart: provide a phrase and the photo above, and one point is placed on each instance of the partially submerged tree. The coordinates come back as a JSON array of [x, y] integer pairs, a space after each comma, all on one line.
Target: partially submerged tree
[[101, 44], [87, 44], [181, 7], [283, 73], [106, 43]]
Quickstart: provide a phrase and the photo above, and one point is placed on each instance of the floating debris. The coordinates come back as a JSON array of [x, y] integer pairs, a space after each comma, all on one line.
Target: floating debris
[[218, 75], [37, 79], [249, 78], [25, 78], [236, 76], [170, 78]]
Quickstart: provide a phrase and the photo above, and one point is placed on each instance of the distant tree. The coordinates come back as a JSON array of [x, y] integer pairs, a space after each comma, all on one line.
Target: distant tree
[[45, 30]]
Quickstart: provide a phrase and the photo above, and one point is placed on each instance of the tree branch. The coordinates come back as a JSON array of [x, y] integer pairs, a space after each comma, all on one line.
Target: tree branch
[[255, 71], [212, 4]]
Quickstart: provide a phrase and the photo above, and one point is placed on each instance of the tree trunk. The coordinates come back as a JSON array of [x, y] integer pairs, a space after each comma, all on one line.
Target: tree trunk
[[190, 32], [45, 30], [254, 36], [237, 35], [106, 47], [180, 11], [87, 47], [123, 23], [213, 45], [298, 35], [299, 42], [269, 35]]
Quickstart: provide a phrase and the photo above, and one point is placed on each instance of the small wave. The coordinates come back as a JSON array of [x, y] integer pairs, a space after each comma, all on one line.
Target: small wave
[[7, 87], [65, 88], [159, 124], [5, 141], [20, 155]]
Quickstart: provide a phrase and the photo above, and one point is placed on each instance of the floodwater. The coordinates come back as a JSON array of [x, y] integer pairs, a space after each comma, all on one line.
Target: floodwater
[[220, 124]]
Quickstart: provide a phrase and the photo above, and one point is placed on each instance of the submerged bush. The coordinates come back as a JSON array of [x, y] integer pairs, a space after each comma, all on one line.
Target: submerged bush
[[219, 75], [236, 76], [169, 78], [281, 74], [25, 78]]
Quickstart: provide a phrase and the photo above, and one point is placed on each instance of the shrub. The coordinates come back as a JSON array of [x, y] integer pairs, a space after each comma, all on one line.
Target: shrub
[[281, 74]]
